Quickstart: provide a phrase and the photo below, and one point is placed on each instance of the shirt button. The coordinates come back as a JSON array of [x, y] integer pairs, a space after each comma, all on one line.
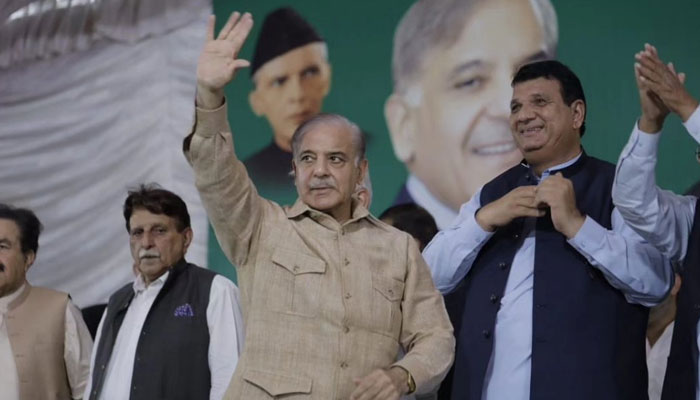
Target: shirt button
[[502, 265], [346, 261], [343, 365], [346, 329], [342, 231], [493, 298], [347, 296], [296, 268], [516, 236], [486, 333]]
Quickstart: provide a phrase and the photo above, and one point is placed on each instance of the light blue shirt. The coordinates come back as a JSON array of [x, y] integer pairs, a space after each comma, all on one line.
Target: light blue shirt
[[628, 263], [663, 218]]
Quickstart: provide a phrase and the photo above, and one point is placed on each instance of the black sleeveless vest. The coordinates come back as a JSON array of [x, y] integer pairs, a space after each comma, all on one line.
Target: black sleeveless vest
[[588, 342], [172, 356]]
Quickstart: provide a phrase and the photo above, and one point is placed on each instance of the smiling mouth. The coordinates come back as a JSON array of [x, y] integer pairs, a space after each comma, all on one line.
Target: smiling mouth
[[495, 148], [532, 130]]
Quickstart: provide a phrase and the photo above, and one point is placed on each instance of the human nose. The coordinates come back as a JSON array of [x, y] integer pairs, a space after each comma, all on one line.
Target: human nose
[[295, 90], [146, 240], [321, 168]]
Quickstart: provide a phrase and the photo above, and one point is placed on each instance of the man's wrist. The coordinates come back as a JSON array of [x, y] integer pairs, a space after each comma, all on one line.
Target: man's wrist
[[650, 125], [209, 99], [687, 109], [479, 218], [402, 379]]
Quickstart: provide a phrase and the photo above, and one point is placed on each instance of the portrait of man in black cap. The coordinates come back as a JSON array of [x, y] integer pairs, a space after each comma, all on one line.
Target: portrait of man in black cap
[[292, 76]]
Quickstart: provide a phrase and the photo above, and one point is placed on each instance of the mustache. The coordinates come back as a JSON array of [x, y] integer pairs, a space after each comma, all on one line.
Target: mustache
[[143, 253], [321, 183]]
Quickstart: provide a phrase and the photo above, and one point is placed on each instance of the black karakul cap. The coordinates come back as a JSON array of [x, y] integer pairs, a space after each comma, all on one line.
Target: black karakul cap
[[283, 30]]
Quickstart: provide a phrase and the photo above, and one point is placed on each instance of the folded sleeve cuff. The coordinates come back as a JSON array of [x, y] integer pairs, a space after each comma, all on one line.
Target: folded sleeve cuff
[[693, 124], [646, 144], [210, 122], [588, 237]]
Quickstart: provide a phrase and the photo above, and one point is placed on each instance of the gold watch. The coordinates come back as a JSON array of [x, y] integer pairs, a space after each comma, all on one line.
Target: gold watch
[[411, 383], [409, 380]]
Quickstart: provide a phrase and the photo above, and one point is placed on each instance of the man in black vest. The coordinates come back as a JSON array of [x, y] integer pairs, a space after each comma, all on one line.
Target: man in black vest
[[554, 283], [666, 220], [176, 331]]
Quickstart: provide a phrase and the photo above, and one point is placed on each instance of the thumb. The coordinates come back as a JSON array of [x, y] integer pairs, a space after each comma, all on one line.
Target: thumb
[[559, 174]]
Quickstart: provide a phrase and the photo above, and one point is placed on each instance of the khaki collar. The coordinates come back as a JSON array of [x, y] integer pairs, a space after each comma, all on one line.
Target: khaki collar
[[300, 208]]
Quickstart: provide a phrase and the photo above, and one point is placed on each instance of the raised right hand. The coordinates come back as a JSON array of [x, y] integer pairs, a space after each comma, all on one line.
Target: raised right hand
[[218, 63], [519, 202]]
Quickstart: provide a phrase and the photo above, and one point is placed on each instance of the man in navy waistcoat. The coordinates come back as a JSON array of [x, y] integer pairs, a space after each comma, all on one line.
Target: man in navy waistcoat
[[554, 284]]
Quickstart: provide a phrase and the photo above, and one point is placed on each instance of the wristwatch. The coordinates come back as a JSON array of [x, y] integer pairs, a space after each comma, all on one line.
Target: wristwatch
[[409, 380], [411, 383]]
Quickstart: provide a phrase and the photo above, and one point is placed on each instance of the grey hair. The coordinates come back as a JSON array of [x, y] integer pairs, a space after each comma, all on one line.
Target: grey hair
[[330, 119], [429, 24]]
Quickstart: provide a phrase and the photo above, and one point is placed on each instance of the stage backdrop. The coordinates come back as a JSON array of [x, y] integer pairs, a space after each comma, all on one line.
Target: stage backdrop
[[597, 39]]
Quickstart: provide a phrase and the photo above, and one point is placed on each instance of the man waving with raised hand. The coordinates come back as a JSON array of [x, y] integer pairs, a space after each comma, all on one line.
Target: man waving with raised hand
[[329, 293]]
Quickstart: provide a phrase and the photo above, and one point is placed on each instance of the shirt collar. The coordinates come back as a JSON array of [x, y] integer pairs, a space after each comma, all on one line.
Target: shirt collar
[[563, 167], [299, 208], [140, 285], [7, 300]]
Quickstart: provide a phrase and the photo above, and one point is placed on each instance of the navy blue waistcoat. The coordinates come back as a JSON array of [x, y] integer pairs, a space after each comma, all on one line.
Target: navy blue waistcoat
[[682, 369], [172, 356], [588, 342]]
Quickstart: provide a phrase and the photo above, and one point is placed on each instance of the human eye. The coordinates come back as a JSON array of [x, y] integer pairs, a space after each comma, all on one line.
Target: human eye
[[310, 71], [306, 158], [137, 233], [514, 108], [336, 159], [469, 83], [279, 81]]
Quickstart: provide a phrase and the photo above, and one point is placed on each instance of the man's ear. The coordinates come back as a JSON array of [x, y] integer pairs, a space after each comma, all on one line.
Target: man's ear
[[578, 108], [29, 260], [188, 239], [364, 168], [402, 127], [329, 80], [256, 103]]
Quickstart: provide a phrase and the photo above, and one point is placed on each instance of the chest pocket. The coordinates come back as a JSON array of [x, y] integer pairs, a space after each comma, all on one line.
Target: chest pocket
[[386, 304], [295, 283]]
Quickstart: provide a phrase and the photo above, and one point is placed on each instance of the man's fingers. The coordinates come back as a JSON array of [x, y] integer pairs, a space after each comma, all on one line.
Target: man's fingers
[[240, 31], [681, 77], [647, 73], [223, 33], [240, 63], [211, 22]]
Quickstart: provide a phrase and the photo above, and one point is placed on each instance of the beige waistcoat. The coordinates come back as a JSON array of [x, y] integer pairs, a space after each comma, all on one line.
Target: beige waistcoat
[[36, 328]]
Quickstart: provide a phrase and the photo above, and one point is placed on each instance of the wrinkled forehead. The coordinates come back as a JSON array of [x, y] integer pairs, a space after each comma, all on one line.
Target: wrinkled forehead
[[328, 137], [143, 218]]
